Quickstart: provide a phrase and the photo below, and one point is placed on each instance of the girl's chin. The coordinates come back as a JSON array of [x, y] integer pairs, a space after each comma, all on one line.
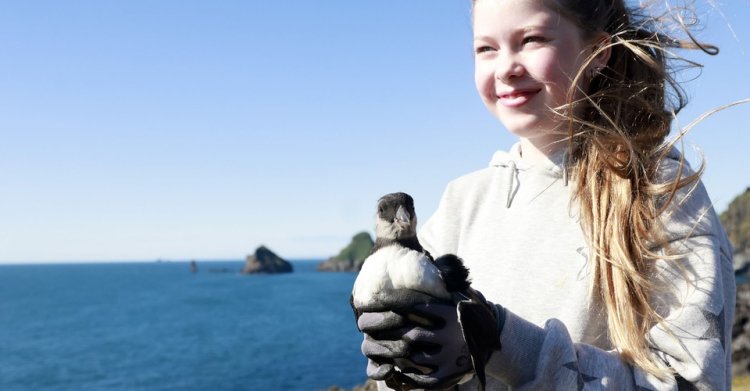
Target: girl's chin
[[533, 130], [522, 122], [528, 128]]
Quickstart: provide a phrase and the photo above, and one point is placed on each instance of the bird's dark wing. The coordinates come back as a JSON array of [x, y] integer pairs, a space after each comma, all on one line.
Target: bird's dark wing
[[453, 272], [478, 326]]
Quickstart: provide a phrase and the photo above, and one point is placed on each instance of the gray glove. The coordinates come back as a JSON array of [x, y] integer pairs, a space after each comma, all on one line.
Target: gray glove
[[432, 345], [421, 349]]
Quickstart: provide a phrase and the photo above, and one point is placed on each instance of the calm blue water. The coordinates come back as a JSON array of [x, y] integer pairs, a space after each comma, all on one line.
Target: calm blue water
[[158, 327]]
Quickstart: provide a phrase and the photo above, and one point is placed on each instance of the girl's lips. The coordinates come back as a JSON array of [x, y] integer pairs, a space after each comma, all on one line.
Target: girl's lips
[[517, 98]]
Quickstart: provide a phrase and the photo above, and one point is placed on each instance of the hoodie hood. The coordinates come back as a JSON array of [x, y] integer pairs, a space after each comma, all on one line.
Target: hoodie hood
[[512, 160], [554, 167], [554, 163]]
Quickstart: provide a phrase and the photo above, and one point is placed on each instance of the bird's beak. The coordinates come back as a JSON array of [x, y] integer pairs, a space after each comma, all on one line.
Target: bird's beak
[[402, 216]]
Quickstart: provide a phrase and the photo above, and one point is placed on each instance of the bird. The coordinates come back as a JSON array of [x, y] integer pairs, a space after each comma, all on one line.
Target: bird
[[399, 273]]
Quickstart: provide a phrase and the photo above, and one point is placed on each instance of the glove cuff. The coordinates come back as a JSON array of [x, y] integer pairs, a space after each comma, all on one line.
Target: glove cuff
[[500, 315]]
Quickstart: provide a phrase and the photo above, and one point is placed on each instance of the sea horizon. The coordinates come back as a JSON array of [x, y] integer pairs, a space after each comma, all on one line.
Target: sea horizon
[[146, 261]]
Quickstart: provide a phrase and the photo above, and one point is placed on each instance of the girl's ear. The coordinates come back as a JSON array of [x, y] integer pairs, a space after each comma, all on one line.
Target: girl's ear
[[601, 49]]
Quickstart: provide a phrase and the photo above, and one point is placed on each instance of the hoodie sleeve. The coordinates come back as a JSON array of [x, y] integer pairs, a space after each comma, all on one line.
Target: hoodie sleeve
[[695, 295], [696, 299], [695, 340]]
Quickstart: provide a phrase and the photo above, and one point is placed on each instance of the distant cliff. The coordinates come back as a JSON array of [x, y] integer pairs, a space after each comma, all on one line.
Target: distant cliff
[[265, 261], [350, 259], [736, 221]]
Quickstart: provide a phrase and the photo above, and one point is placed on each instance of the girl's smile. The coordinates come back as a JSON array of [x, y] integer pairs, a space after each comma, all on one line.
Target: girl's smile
[[518, 97]]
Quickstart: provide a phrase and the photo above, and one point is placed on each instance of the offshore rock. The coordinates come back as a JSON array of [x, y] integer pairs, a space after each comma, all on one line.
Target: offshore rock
[[266, 262], [351, 258]]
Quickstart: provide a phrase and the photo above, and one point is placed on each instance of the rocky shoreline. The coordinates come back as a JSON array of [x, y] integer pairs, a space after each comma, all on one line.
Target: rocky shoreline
[[369, 385], [741, 333]]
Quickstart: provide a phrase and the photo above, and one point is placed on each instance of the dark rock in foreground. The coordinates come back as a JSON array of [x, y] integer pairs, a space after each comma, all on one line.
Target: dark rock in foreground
[[743, 271], [736, 221], [265, 261], [369, 385], [741, 332], [351, 258]]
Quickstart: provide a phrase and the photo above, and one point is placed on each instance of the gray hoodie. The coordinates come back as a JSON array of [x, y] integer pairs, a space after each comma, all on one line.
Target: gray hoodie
[[518, 232]]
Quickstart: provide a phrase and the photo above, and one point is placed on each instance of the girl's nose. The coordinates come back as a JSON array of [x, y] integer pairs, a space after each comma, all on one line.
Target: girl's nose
[[507, 67]]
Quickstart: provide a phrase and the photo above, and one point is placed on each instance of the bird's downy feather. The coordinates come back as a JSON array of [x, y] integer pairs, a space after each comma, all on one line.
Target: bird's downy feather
[[394, 268]]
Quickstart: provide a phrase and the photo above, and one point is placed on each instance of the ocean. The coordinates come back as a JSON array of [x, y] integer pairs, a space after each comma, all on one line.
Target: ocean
[[157, 326]]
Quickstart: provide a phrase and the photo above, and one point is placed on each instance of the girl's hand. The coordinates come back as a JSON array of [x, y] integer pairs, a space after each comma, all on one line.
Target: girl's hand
[[421, 348]]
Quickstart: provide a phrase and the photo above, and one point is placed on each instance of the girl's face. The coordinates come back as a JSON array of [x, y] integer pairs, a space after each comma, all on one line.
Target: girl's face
[[526, 56]]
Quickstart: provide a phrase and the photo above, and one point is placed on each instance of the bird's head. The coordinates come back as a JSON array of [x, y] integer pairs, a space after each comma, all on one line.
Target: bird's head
[[396, 217]]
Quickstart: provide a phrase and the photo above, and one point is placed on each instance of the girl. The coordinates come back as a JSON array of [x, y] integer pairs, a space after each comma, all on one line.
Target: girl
[[607, 266]]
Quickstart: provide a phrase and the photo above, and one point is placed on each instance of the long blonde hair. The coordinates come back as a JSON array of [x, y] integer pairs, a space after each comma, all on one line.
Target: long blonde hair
[[617, 139], [617, 134]]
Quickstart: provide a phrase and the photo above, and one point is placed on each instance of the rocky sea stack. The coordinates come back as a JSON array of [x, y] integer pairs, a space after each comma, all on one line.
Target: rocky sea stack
[[264, 261], [351, 258]]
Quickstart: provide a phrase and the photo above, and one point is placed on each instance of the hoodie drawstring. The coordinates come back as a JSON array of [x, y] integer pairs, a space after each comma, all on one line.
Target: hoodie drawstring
[[511, 175], [512, 159]]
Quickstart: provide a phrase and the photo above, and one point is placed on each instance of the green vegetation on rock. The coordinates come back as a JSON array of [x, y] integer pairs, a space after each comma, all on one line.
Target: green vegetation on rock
[[358, 249], [351, 257]]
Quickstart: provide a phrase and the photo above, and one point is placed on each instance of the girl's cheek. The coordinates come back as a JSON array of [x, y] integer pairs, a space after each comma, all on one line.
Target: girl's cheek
[[542, 65], [484, 77]]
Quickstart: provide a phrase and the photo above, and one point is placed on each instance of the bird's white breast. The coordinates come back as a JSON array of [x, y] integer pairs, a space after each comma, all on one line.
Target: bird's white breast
[[395, 268]]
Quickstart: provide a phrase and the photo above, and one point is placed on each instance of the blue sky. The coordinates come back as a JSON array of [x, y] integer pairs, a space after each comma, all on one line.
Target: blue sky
[[139, 130]]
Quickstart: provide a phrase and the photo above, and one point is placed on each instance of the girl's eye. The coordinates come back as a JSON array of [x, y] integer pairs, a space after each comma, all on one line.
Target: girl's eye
[[533, 39], [484, 49]]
